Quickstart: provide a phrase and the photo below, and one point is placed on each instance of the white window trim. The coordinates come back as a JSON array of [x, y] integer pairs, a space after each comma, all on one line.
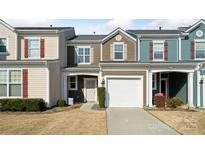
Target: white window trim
[[83, 63], [76, 83], [7, 46], [8, 83], [155, 81], [195, 41], [29, 38], [158, 41], [123, 52]]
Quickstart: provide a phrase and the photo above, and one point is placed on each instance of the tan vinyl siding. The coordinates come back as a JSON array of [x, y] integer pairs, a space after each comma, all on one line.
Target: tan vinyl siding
[[54, 73], [130, 73], [51, 46], [37, 83], [7, 33], [131, 48]]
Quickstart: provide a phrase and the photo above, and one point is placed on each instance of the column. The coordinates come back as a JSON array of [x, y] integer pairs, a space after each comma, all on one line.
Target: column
[[198, 89], [190, 89], [65, 87], [150, 89]]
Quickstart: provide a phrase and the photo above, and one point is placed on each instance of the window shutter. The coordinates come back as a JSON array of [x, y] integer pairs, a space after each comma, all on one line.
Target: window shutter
[[192, 50], [92, 55], [26, 48], [125, 51], [25, 83], [151, 50], [42, 48], [111, 52], [166, 50], [75, 56]]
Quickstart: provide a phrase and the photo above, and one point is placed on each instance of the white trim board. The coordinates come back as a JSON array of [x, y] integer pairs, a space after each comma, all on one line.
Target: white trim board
[[195, 25], [106, 77], [116, 31]]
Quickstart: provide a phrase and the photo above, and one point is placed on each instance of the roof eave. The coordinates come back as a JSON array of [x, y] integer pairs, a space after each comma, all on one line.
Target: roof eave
[[115, 31]]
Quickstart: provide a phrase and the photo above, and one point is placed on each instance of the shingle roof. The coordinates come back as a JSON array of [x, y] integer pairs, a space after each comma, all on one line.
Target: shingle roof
[[182, 28], [42, 28], [88, 38], [154, 31]]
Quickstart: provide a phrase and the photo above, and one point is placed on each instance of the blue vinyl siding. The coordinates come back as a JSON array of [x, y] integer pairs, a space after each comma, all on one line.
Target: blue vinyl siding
[[172, 50], [144, 51], [186, 43], [202, 72]]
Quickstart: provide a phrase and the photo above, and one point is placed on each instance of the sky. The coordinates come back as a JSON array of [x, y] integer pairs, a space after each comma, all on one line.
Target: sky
[[103, 26]]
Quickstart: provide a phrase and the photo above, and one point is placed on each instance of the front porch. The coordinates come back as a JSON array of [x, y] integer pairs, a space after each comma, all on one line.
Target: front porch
[[171, 84], [82, 88]]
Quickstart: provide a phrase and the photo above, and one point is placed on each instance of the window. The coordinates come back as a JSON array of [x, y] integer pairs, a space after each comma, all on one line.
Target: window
[[154, 81], [118, 51], [73, 83], [10, 83], [158, 50], [200, 49], [34, 48], [3, 45], [84, 55]]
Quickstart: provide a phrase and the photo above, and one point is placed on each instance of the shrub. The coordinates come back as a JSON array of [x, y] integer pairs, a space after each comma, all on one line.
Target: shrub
[[61, 103], [101, 97], [22, 105], [174, 102]]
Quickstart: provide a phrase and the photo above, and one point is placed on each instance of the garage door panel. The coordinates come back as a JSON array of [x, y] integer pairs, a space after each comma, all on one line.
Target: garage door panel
[[125, 92]]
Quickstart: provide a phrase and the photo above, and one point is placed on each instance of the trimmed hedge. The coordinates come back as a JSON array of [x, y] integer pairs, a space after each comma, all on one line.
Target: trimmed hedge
[[174, 102], [61, 103], [22, 105], [101, 97]]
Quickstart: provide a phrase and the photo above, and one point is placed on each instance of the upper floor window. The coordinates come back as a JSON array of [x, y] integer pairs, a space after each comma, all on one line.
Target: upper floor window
[[200, 49], [118, 51], [158, 50], [84, 55], [3, 45], [34, 47], [10, 83]]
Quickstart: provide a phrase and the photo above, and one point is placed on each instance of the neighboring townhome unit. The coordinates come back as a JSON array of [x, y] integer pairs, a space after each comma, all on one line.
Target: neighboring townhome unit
[[30, 61]]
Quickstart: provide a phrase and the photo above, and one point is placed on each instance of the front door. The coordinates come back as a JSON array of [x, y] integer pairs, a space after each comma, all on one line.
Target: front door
[[164, 88], [90, 90]]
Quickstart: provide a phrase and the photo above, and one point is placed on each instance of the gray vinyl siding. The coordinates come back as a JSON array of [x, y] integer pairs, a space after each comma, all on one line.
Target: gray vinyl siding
[[186, 43], [172, 50]]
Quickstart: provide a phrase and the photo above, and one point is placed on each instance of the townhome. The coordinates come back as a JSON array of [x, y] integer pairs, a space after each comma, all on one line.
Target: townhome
[[30, 61], [133, 65]]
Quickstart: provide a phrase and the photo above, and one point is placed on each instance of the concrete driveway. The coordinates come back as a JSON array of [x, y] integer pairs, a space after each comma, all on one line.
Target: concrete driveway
[[128, 121]]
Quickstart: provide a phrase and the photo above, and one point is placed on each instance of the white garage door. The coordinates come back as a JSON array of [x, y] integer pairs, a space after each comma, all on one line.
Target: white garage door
[[125, 92]]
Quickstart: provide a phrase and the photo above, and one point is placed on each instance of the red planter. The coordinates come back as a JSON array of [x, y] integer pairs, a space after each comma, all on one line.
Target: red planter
[[159, 101]]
